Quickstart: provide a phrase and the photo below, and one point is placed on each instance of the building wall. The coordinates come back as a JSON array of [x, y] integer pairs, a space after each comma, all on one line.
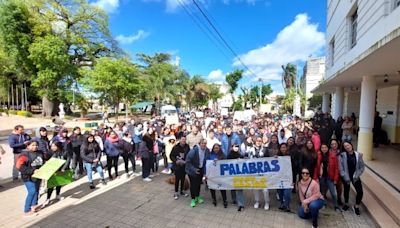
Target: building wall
[[352, 103], [376, 20], [388, 101], [314, 71]]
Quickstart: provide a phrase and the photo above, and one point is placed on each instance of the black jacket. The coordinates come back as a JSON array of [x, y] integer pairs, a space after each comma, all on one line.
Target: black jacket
[[28, 162], [176, 152], [90, 152]]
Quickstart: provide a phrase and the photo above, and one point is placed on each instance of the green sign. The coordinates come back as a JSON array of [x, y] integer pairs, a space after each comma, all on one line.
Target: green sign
[[60, 179], [49, 168]]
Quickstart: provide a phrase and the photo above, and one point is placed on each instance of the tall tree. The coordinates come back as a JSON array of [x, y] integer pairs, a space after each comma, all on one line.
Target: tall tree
[[233, 79]]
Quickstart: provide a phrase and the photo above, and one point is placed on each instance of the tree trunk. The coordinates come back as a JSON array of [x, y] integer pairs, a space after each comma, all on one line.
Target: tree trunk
[[8, 97], [22, 98], [26, 98], [48, 106], [12, 96], [116, 108], [16, 96]]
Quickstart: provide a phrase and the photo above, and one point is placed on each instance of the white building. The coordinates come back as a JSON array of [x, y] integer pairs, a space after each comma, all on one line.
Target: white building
[[363, 65], [225, 101], [313, 73]]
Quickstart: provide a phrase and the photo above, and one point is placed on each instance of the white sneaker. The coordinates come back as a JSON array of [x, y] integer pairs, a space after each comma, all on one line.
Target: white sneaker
[[147, 179], [165, 171], [266, 206], [151, 175], [256, 205], [127, 176], [46, 203], [176, 196], [277, 196], [59, 198]]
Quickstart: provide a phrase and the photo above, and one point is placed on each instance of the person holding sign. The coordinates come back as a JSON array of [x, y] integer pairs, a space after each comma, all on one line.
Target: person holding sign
[[57, 150], [237, 195], [217, 154], [28, 162], [286, 193], [310, 196]]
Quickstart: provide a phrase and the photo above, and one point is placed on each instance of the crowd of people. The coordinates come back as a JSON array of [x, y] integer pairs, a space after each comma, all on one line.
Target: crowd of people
[[321, 151]]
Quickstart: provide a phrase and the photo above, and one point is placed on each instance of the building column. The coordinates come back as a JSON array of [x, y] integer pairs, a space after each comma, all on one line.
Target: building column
[[339, 97], [366, 120], [325, 102]]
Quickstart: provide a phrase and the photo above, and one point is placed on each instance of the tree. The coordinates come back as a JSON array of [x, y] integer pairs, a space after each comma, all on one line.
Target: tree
[[113, 79], [214, 94], [266, 90], [315, 101], [289, 76], [232, 79]]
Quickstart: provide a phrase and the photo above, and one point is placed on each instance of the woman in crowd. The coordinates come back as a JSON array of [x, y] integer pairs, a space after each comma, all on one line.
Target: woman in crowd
[[329, 173], [239, 196], [169, 141], [247, 147], [217, 154], [295, 157], [351, 167], [178, 157], [273, 146], [112, 148], [57, 151], [334, 149], [44, 143], [128, 153], [90, 153], [284, 194], [76, 142], [309, 158], [145, 151], [260, 152], [310, 196], [28, 162]]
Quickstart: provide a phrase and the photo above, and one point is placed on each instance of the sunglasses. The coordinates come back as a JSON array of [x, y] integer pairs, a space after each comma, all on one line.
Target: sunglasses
[[305, 173]]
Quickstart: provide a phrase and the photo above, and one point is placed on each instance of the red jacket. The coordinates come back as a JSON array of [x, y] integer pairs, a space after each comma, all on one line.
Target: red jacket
[[333, 167], [316, 139]]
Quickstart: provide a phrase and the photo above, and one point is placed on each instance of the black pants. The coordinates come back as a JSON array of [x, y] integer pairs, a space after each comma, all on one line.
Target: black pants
[[155, 163], [223, 194], [129, 157], [195, 184], [112, 162], [180, 178], [359, 191], [145, 167], [50, 191], [77, 163]]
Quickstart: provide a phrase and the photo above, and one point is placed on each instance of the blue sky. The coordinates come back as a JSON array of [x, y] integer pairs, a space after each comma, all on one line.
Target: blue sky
[[265, 34]]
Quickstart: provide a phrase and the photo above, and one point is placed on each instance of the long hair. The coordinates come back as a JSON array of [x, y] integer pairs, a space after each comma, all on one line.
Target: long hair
[[220, 154], [310, 152]]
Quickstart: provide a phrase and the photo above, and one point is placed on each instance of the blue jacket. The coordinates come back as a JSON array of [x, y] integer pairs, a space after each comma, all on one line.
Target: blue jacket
[[193, 160], [235, 140], [112, 149], [16, 142], [212, 156]]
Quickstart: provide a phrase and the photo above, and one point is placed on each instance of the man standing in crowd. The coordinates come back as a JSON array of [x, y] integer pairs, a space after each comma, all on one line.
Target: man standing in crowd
[[194, 137], [17, 140], [228, 139]]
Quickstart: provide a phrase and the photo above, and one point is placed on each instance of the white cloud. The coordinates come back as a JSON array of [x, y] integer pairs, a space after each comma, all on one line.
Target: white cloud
[[122, 39], [109, 6], [216, 75], [295, 43]]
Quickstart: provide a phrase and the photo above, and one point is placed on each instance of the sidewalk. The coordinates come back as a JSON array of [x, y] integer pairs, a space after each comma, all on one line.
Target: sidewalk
[[134, 203]]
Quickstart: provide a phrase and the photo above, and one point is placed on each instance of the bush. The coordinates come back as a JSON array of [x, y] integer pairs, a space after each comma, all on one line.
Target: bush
[[24, 113], [12, 112]]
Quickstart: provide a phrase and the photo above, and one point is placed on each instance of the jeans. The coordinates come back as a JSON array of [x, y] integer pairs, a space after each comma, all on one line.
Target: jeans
[[313, 212], [359, 190], [257, 195], [180, 178], [195, 184], [325, 184], [285, 196], [239, 197], [112, 162], [33, 194], [129, 157], [88, 167], [145, 167], [15, 172]]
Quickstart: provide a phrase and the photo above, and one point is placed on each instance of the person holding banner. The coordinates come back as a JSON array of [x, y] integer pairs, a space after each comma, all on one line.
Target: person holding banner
[[259, 152], [28, 162], [237, 195], [90, 153], [58, 151], [217, 154], [284, 194], [310, 196], [195, 163]]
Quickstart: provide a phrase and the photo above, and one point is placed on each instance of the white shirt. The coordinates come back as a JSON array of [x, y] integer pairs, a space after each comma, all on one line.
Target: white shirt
[[212, 142]]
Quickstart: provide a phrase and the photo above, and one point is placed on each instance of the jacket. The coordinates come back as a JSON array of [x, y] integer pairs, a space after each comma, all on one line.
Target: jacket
[[17, 142], [333, 167], [192, 139], [27, 162], [344, 170], [63, 155], [193, 160], [316, 139], [235, 140], [44, 146], [90, 152], [127, 146], [112, 149], [175, 155], [313, 192]]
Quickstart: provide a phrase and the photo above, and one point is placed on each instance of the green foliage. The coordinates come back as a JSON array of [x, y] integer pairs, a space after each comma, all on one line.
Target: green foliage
[[289, 76], [24, 113], [233, 79], [238, 105], [315, 101], [12, 112]]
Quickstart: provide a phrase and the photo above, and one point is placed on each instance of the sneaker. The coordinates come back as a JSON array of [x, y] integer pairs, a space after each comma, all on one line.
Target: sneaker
[[256, 205], [127, 175], [58, 197], [176, 196], [46, 203], [103, 182], [199, 200], [151, 175], [184, 194], [337, 209], [356, 210], [345, 207], [193, 203], [147, 179], [165, 171], [266, 206], [30, 214], [91, 186], [240, 208]]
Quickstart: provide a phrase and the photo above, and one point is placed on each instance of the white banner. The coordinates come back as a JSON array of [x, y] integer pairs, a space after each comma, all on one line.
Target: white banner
[[258, 173]]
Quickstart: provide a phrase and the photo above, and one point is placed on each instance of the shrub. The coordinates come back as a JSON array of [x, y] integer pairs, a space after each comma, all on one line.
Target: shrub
[[24, 113], [12, 112]]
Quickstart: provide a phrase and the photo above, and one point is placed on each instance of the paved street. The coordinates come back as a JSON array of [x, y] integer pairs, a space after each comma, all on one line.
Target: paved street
[[133, 203]]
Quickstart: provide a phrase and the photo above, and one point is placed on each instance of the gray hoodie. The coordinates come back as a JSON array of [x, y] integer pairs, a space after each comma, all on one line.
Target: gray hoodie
[[344, 170]]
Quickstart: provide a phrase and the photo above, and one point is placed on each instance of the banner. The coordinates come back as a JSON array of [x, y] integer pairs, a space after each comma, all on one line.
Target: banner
[[259, 173], [49, 168], [60, 179]]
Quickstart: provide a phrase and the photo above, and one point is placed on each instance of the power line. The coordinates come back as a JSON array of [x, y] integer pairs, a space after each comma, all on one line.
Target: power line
[[222, 38]]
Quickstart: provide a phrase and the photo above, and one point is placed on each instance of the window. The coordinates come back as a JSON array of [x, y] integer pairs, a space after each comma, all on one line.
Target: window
[[332, 52], [353, 28]]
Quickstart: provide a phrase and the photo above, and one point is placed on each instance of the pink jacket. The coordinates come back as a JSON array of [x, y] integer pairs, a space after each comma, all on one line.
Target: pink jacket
[[313, 192]]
